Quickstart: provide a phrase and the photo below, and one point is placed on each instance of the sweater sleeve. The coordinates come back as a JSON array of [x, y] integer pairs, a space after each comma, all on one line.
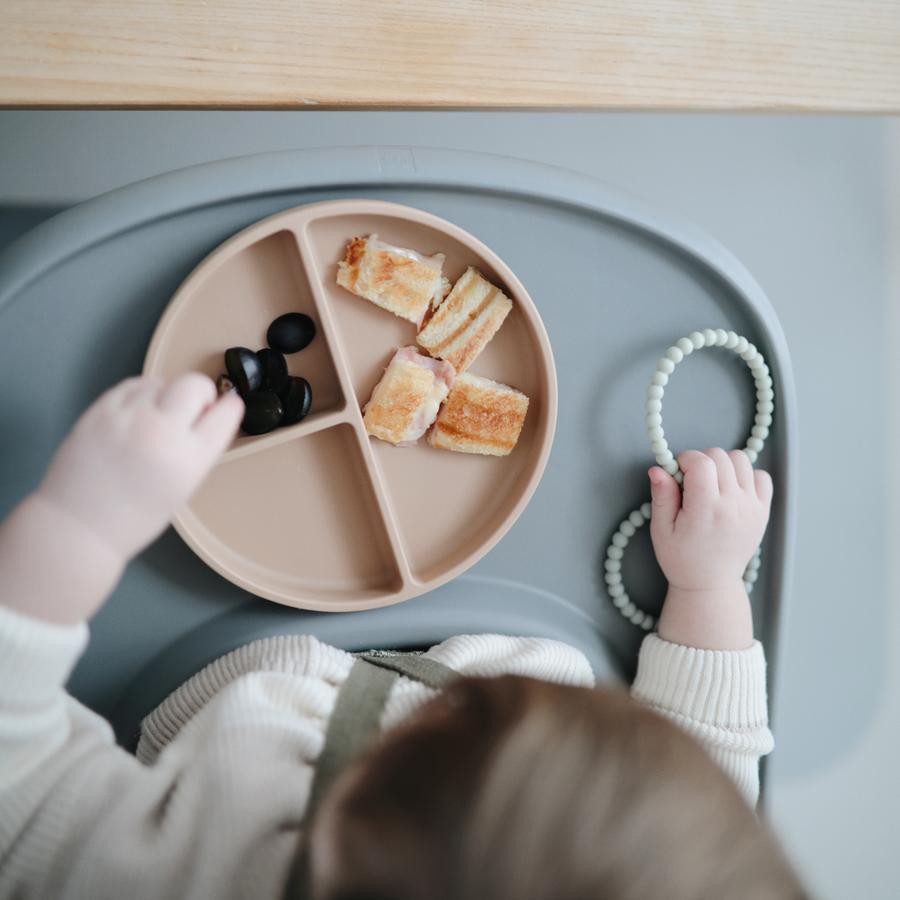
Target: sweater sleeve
[[718, 696], [36, 658], [80, 817]]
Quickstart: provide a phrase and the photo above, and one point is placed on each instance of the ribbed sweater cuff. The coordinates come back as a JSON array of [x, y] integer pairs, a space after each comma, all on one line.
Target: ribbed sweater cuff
[[36, 656], [724, 688]]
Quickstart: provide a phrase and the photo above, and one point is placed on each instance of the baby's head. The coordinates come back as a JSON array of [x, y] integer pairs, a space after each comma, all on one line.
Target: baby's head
[[514, 788]]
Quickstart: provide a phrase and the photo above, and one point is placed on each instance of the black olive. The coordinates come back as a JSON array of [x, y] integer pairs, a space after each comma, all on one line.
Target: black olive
[[244, 369], [297, 399], [263, 412], [274, 367], [291, 332], [224, 385]]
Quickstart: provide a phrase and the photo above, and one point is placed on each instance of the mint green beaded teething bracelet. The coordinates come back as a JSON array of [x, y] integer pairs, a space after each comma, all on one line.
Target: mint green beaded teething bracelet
[[765, 405]]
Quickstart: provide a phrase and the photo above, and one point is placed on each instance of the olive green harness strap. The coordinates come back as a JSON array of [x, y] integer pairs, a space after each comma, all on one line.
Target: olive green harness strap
[[353, 725], [360, 704], [354, 720], [413, 665]]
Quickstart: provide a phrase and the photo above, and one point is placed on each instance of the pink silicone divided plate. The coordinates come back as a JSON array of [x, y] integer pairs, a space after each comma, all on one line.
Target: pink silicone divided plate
[[318, 515]]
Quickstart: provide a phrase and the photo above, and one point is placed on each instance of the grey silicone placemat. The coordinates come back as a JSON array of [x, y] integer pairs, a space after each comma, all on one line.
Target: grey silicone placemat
[[614, 281]]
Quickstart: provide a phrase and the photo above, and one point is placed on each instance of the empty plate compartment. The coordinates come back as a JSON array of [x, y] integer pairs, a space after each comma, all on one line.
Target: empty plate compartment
[[298, 520]]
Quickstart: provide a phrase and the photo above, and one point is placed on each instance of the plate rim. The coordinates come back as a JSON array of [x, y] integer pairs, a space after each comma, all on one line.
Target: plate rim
[[189, 526]]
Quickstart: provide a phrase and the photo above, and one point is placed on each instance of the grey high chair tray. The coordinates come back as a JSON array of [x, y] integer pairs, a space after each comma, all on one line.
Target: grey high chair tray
[[616, 283]]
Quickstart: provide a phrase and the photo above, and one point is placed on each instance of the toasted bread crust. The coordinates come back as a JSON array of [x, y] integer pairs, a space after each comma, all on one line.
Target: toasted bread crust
[[356, 250], [466, 321], [480, 416], [398, 280]]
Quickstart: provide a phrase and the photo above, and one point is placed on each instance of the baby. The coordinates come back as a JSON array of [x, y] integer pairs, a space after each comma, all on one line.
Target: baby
[[501, 772]]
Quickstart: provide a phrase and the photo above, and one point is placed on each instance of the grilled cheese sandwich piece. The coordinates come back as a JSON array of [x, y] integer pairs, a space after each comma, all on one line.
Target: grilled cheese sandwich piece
[[396, 279], [406, 400], [480, 416], [468, 318]]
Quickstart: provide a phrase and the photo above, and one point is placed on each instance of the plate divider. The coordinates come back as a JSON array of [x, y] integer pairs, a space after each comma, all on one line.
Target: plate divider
[[352, 413], [311, 425]]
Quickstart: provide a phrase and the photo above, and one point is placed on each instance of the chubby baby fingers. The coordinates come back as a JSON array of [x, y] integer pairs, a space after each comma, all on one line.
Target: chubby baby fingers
[[701, 479], [725, 473], [128, 391], [743, 469], [763, 482], [666, 498], [219, 423], [185, 398]]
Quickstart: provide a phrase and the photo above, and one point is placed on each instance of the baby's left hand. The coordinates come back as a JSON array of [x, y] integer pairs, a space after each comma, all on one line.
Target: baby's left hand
[[705, 533], [137, 454]]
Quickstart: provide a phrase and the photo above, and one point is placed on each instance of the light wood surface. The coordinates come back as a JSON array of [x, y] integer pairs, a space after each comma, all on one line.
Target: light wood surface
[[687, 54]]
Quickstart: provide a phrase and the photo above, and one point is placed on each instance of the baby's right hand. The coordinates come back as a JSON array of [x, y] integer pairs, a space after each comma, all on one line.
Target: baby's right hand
[[137, 454], [705, 536]]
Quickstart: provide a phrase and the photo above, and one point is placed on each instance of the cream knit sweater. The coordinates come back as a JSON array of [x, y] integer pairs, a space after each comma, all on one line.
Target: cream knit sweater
[[212, 805]]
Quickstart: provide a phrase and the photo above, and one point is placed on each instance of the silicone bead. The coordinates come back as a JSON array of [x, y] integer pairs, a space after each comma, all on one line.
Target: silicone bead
[[660, 378], [619, 540], [679, 476], [721, 337], [765, 394], [654, 404], [760, 432], [685, 346], [741, 346], [620, 600], [613, 577], [637, 617], [653, 419], [664, 458], [731, 343], [764, 381], [764, 419], [665, 365], [675, 355], [646, 509], [754, 443], [765, 406], [697, 339], [655, 390], [752, 455], [658, 447], [672, 468], [709, 335], [616, 590], [627, 529], [628, 610], [636, 518], [612, 565], [615, 552]]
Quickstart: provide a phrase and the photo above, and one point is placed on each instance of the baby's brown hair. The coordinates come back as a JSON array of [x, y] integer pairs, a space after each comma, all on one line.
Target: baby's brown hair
[[514, 788]]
